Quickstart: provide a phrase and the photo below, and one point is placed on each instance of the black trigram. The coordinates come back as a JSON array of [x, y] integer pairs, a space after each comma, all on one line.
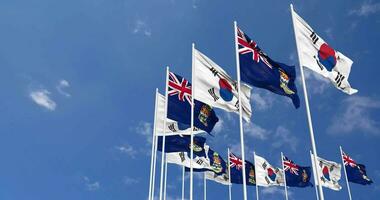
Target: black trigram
[[182, 156], [200, 162], [237, 105], [172, 128], [212, 93], [314, 37], [339, 79], [214, 71]]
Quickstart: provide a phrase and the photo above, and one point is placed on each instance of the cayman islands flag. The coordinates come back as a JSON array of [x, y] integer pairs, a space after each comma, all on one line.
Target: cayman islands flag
[[266, 174], [216, 88], [236, 165], [257, 69], [320, 57], [329, 173], [172, 127], [296, 176], [179, 105], [356, 173]]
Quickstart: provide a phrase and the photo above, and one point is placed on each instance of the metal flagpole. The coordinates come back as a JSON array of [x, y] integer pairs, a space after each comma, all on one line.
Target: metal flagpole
[[166, 176], [154, 166], [257, 187], [283, 169], [307, 106], [315, 178], [192, 122], [204, 186], [229, 174], [163, 137], [345, 173], [153, 147], [240, 113], [183, 182]]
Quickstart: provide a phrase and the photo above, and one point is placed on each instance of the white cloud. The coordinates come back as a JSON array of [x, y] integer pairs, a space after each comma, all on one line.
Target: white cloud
[[256, 131], [130, 180], [268, 191], [127, 149], [61, 86], [91, 186], [145, 129], [367, 8], [141, 27], [261, 100], [283, 137], [329, 33], [316, 83], [218, 126], [41, 97], [354, 114]]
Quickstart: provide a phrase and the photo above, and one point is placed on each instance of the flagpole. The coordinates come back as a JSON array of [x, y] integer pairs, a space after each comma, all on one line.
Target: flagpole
[[192, 122], [204, 186], [307, 107], [166, 176], [229, 174], [283, 169], [315, 178], [257, 187], [154, 167], [163, 137], [153, 145], [183, 182], [345, 173], [240, 113]]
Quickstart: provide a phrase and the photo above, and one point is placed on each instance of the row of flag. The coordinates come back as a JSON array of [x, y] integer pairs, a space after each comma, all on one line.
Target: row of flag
[[259, 172], [188, 109]]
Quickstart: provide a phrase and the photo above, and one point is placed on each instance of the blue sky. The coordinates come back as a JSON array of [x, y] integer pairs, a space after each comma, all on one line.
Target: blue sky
[[78, 80]]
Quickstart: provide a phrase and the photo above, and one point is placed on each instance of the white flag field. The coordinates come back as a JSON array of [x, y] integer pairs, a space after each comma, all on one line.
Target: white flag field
[[329, 173], [222, 179], [266, 174], [317, 55], [172, 127], [183, 159], [217, 89]]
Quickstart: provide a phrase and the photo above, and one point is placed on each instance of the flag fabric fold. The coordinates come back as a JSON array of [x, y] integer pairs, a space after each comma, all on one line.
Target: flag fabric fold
[[236, 165], [177, 143], [356, 173], [259, 70], [217, 89], [179, 105], [320, 57], [329, 173], [172, 127], [296, 176], [266, 174]]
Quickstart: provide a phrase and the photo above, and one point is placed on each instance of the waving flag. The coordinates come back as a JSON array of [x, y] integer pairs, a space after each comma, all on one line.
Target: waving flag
[[172, 127], [183, 159], [356, 173], [236, 165], [320, 57], [296, 176], [176, 143], [179, 105], [257, 69], [216, 163], [216, 88], [266, 174], [329, 173]]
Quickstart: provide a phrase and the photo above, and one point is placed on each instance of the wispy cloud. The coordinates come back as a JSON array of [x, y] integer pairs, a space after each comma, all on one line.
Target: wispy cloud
[[218, 126], [127, 149], [130, 181], [317, 83], [145, 129], [61, 86], [262, 100], [41, 97], [366, 8], [256, 131], [91, 186], [355, 114], [283, 137], [270, 191], [141, 27]]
